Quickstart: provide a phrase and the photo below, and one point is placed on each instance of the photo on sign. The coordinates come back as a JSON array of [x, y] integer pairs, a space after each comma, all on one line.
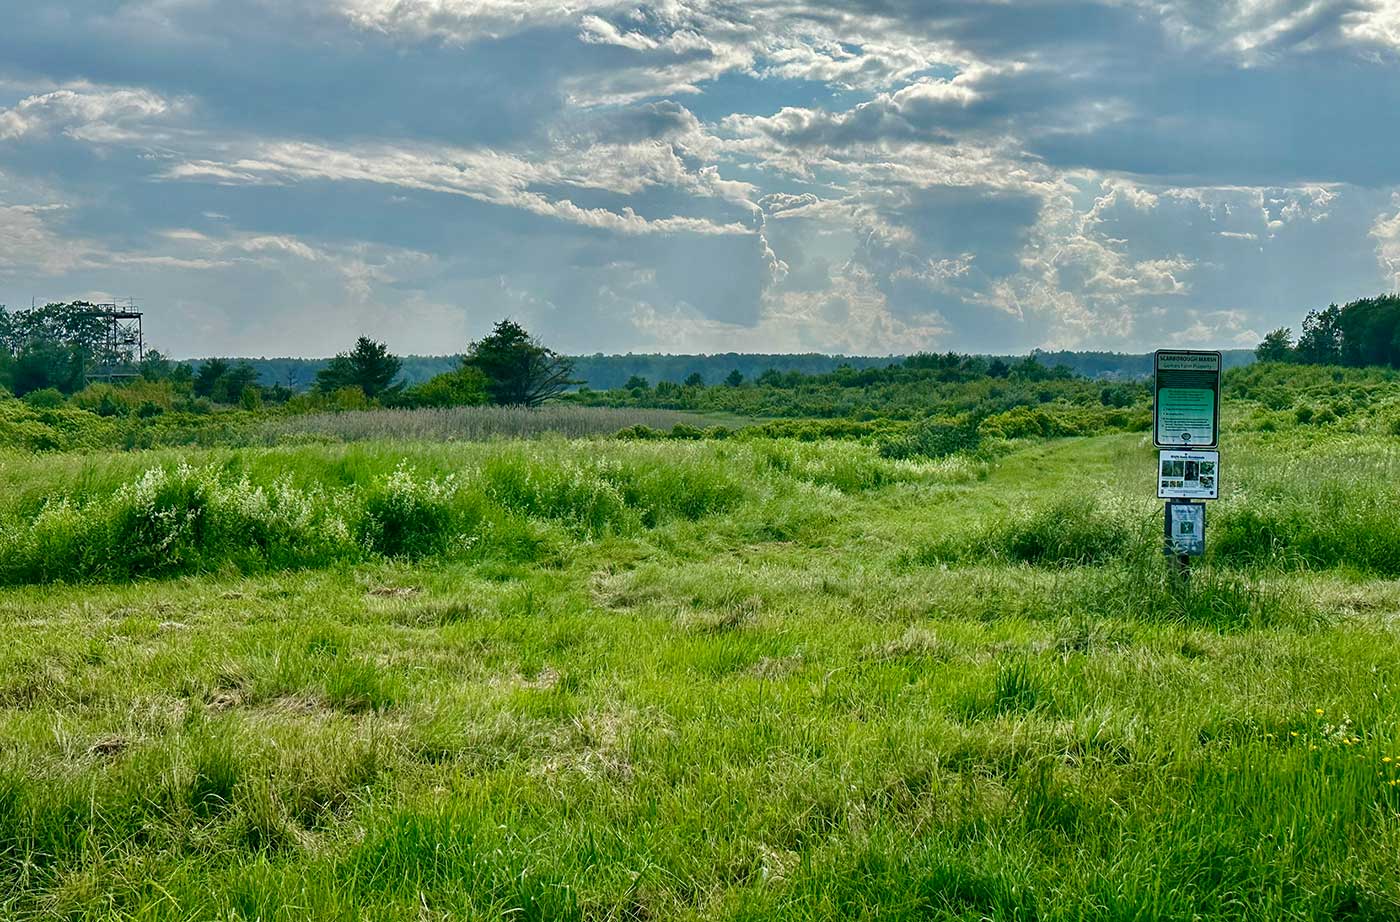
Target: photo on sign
[[1188, 474]]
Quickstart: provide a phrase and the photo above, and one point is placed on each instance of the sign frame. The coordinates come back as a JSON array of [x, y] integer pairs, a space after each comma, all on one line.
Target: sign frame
[[1197, 357], [1184, 512], [1207, 481]]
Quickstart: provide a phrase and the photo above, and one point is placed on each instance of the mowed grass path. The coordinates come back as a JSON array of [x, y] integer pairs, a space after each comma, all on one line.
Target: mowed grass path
[[722, 718]]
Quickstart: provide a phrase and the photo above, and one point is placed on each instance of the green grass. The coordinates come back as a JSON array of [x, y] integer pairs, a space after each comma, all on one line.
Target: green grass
[[684, 680]]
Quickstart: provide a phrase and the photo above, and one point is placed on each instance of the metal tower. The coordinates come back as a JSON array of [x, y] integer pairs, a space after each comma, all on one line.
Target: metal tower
[[123, 346]]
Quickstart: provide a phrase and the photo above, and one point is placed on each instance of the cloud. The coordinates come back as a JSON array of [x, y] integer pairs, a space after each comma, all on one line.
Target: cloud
[[1386, 232], [487, 176], [87, 113], [680, 174]]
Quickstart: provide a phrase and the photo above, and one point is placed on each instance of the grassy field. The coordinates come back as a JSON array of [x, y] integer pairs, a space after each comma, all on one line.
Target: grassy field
[[680, 680]]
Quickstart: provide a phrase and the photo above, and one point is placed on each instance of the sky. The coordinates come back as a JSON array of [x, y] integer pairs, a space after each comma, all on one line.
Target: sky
[[277, 177]]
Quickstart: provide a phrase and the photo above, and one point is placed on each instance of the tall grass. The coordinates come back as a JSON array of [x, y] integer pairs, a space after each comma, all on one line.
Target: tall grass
[[289, 508], [468, 424], [1071, 531], [1324, 504]]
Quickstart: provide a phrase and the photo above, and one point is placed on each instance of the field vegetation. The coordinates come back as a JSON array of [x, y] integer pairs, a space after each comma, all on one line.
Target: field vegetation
[[812, 653], [762, 676]]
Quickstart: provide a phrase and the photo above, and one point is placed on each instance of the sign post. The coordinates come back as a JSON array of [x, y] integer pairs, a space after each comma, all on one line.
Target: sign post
[[1186, 430]]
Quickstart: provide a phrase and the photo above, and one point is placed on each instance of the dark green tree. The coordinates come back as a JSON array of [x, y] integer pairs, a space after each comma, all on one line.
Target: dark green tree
[[462, 387], [1276, 346], [155, 367], [636, 383], [235, 382], [519, 370], [368, 366], [695, 379], [42, 364], [50, 346], [206, 380], [1370, 331], [734, 378], [1321, 340]]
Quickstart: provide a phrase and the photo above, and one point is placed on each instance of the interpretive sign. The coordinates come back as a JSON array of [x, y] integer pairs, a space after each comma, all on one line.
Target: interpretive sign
[[1186, 407], [1186, 529], [1188, 474]]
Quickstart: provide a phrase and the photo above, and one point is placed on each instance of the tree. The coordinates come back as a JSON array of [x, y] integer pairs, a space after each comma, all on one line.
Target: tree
[[1276, 346], [42, 364], [368, 366], [463, 387], [206, 380], [235, 382], [636, 383], [1321, 340], [519, 370], [770, 377], [734, 378], [155, 367], [695, 379], [50, 346]]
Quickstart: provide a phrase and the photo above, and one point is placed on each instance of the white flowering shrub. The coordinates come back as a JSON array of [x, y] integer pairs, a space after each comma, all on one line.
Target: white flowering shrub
[[405, 515]]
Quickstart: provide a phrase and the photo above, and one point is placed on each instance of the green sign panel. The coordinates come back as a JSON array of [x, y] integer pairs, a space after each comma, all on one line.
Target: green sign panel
[[1186, 410]]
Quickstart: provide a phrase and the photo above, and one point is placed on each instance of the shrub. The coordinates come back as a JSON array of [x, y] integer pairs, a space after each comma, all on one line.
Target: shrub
[[47, 398], [406, 516], [640, 433], [934, 437], [171, 521]]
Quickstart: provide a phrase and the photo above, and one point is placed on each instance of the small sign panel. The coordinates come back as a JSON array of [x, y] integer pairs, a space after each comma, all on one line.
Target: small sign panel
[[1186, 408], [1186, 529], [1188, 475]]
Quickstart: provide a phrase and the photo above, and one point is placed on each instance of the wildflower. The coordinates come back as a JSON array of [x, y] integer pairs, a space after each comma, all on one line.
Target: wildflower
[[1386, 759], [1293, 733], [1318, 712]]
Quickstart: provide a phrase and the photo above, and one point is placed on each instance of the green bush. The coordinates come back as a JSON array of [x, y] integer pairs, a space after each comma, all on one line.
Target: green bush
[[47, 398], [934, 437], [170, 521], [406, 516]]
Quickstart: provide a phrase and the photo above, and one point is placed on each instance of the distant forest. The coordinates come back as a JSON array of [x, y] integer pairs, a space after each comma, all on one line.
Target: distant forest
[[605, 372]]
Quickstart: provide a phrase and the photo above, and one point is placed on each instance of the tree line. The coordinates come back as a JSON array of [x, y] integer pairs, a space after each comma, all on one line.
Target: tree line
[[1360, 333], [55, 351]]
